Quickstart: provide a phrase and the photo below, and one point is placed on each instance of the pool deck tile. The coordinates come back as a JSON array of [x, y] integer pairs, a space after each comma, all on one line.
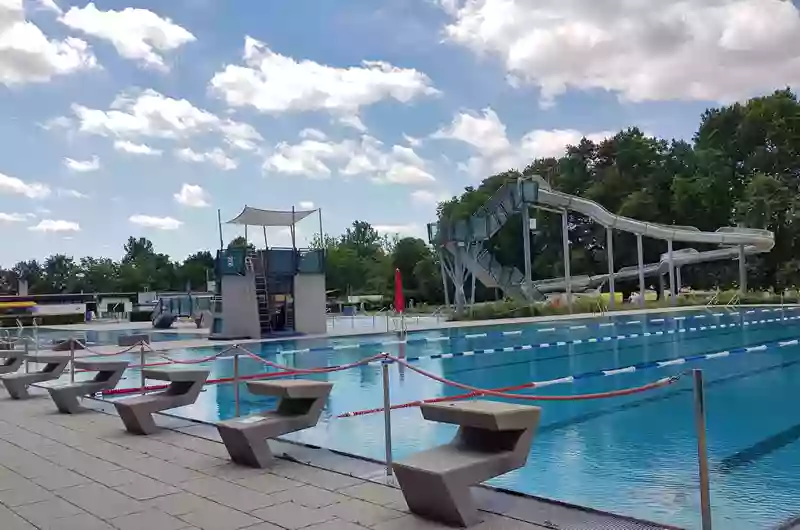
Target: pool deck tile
[[84, 472]]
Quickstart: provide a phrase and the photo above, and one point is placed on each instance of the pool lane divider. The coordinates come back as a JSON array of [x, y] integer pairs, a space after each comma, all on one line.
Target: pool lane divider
[[590, 340], [570, 379], [501, 334]]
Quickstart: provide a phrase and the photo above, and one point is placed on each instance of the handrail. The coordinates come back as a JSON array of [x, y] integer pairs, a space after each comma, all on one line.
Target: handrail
[[734, 301], [714, 299]]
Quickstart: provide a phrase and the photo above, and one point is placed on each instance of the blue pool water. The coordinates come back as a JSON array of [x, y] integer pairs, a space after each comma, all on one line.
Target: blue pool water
[[634, 455]]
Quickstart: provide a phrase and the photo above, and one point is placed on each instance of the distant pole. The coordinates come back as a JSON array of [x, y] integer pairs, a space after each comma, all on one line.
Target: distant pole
[[610, 249], [702, 449], [294, 245], [266, 242], [742, 272], [565, 243], [321, 237], [671, 259], [219, 223], [640, 254]]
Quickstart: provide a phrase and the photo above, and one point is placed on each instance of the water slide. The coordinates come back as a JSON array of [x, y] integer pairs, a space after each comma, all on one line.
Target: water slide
[[465, 241]]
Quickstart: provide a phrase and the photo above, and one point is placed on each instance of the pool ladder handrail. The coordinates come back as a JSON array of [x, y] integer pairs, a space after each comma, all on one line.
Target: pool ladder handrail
[[734, 301], [714, 299]]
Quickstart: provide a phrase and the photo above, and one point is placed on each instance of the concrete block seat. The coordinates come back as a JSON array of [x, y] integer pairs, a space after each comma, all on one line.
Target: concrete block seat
[[66, 395], [11, 360], [300, 406], [185, 385], [68, 345], [17, 383], [493, 438]]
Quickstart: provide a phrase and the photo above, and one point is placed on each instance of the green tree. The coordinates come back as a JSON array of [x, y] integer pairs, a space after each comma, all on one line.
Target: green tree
[[241, 242]]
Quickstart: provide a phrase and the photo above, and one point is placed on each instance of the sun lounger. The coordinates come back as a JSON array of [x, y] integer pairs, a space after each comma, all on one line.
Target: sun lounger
[[300, 406], [17, 383], [11, 360], [184, 387], [493, 438], [66, 395]]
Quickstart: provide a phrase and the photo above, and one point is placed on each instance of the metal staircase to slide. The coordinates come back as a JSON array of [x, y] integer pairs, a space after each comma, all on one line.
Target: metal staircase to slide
[[466, 239]]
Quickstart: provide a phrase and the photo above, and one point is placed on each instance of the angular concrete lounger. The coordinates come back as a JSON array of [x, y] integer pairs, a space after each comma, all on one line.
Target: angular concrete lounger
[[184, 387], [300, 406], [65, 396], [17, 383], [11, 360], [493, 438]]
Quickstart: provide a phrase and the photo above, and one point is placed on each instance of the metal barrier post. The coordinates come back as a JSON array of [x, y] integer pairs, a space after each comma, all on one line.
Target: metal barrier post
[[702, 451], [236, 383], [141, 365], [27, 362], [387, 416], [71, 360]]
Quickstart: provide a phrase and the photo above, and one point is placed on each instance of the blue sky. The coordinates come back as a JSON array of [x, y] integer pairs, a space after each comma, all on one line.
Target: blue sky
[[136, 117]]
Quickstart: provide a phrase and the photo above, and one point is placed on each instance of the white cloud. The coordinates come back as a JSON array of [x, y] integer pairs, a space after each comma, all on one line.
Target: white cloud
[[354, 122], [406, 230], [159, 223], [50, 225], [149, 114], [136, 149], [718, 50], [14, 217], [363, 157], [137, 34], [428, 198], [495, 152], [59, 122], [413, 142], [49, 5], [271, 82], [28, 56], [216, 157], [306, 205], [72, 194], [83, 166], [13, 185], [313, 134], [192, 195]]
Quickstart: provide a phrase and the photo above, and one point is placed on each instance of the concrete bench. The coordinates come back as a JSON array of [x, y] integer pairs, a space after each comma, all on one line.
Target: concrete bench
[[66, 395], [493, 438], [17, 383], [133, 340], [11, 360], [184, 387], [300, 406]]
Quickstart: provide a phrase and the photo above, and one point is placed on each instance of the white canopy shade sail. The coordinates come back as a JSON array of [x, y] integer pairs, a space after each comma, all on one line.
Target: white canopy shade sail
[[257, 217]]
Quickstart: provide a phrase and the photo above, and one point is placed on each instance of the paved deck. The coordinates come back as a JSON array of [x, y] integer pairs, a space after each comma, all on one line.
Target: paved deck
[[85, 472]]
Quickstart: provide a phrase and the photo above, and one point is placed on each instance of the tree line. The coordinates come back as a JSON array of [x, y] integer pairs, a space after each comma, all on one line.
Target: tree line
[[741, 167]]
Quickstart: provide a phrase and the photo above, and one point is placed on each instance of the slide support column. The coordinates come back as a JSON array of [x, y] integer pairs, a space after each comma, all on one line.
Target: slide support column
[[610, 250], [640, 256]]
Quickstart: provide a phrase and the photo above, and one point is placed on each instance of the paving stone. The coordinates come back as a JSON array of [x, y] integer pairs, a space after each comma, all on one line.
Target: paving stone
[[377, 494], [165, 471], [83, 521], [149, 519], [408, 522], [24, 492], [12, 521], [292, 516], [335, 524], [496, 522], [144, 488], [179, 503], [60, 478], [9, 479], [362, 512], [216, 517], [100, 500], [317, 477], [42, 512], [117, 477], [308, 496], [228, 493], [268, 483]]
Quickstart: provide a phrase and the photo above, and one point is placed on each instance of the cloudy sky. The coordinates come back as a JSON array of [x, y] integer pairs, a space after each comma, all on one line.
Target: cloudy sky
[[142, 117]]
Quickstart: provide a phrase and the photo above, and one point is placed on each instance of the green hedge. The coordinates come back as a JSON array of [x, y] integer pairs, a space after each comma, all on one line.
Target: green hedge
[[584, 304]]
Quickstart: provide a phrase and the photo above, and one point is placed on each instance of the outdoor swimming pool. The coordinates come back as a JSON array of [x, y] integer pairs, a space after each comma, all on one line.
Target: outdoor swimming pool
[[634, 455]]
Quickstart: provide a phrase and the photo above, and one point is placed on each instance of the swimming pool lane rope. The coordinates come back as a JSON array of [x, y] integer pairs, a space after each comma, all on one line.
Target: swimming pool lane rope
[[502, 392], [519, 332]]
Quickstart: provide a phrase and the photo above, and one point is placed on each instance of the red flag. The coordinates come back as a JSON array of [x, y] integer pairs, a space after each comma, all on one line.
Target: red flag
[[399, 299]]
